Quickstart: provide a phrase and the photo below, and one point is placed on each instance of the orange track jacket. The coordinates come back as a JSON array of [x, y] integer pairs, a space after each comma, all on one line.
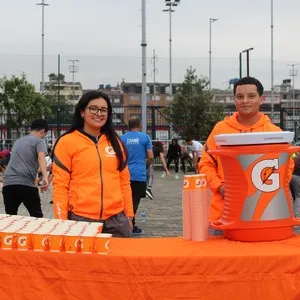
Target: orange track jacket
[[86, 179], [211, 164]]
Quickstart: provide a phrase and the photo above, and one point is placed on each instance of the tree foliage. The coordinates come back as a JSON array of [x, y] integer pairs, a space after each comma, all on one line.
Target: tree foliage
[[192, 112], [20, 102]]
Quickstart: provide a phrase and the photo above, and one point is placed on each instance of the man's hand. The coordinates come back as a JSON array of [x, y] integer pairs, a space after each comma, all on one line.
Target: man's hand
[[44, 183]]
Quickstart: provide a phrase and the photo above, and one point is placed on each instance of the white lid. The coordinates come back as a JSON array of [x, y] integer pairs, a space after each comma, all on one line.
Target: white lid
[[252, 138]]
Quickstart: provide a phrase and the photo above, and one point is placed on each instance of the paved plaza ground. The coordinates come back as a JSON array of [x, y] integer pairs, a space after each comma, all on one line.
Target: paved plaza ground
[[163, 214]]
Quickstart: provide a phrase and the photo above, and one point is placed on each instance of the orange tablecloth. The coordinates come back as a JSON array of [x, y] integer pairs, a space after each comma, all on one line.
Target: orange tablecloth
[[157, 268]]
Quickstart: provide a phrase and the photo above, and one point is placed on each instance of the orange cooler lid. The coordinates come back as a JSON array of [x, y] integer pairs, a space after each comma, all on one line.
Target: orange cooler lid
[[252, 138]]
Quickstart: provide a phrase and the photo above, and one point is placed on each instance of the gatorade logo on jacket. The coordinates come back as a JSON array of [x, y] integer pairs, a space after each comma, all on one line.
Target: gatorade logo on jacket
[[110, 151]]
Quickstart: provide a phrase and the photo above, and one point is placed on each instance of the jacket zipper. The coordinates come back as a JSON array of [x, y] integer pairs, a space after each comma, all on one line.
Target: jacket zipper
[[101, 179]]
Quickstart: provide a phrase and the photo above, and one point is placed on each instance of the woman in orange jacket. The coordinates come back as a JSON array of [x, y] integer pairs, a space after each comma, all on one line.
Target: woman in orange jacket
[[91, 180]]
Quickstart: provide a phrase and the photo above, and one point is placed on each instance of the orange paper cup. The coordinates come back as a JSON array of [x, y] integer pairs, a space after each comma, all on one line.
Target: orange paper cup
[[40, 241], [73, 243], [88, 244], [8, 240], [23, 240], [56, 242], [102, 243]]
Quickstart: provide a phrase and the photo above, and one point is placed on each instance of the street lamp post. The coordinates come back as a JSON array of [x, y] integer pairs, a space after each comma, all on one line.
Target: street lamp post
[[144, 69], [293, 73], [43, 4], [240, 64], [211, 20], [73, 70], [247, 53], [272, 63], [170, 4]]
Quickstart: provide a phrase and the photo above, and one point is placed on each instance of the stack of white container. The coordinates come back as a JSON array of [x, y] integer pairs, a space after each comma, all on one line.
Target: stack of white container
[[40, 234]]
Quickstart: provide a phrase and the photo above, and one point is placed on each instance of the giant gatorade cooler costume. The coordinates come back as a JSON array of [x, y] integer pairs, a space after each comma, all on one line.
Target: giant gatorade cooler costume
[[257, 204]]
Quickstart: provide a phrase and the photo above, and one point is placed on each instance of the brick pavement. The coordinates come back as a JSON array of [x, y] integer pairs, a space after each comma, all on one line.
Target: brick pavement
[[163, 214]]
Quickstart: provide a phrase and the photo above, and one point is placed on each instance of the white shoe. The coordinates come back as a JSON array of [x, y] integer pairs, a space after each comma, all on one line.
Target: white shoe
[[176, 177], [163, 175]]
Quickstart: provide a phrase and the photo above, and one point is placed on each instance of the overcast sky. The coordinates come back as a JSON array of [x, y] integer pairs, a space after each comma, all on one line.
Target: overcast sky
[[105, 36]]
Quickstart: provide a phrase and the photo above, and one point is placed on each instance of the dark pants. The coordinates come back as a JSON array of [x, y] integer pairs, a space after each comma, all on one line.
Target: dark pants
[[188, 159], [138, 190], [118, 225], [176, 162], [14, 195]]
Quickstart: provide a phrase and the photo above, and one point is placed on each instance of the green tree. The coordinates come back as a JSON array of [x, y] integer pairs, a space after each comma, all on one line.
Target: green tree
[[192, 112], [20, 102]]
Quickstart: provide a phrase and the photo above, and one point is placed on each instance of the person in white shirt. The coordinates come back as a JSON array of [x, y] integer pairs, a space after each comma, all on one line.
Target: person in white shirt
[[196, 149]]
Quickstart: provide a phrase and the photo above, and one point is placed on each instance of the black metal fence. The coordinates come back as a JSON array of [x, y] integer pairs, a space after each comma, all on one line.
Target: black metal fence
[[158, 126]]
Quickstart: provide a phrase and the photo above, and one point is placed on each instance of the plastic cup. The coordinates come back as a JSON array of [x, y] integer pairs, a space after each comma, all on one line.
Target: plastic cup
[[102, 241]]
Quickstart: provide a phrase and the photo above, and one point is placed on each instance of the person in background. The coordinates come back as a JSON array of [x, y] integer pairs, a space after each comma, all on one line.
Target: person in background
[[186, 158], [49, 171], [90, 171], [248, 97], [4, 160], [295, 185], [196, 150], [140, 157], [173, 154], [158, 151], [28, 154]]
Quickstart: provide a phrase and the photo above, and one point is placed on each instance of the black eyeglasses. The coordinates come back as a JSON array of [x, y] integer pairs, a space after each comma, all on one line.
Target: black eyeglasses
[[94, 110]]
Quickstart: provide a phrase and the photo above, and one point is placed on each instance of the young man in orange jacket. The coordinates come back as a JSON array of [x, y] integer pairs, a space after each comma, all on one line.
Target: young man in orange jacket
[[248, 96]]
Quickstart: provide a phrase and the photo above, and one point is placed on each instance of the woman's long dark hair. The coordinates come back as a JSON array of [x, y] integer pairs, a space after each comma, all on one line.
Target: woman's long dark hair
[[107, 129]]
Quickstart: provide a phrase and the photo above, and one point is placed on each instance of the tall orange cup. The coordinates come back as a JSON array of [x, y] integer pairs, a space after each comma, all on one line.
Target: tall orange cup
[[186, 207], [199, 208]]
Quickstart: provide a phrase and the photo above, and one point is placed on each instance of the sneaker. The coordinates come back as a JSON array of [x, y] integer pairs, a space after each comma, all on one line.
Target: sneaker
[[163, 175], [149, 194], [176, 177], [137, 231]]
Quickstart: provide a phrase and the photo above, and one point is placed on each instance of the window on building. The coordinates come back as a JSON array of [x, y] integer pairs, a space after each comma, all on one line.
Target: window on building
[[157, 89], [134, 98], [131, 89], [155, 98]]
